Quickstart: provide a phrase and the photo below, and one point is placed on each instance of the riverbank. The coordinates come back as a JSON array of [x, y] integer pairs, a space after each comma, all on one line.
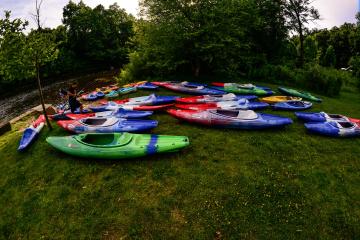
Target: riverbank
[[278, 184]]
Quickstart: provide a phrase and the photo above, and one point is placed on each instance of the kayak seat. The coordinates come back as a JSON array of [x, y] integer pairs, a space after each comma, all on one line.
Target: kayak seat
[[94, 121], [105, 140], [346, 124], [336, 116]]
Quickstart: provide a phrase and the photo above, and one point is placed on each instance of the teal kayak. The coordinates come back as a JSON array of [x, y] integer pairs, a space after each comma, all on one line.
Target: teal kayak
[[117, 145]]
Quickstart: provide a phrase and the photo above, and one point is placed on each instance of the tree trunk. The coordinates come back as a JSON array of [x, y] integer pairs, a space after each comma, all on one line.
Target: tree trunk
[[196, 68], [41, 95], [301, 35]]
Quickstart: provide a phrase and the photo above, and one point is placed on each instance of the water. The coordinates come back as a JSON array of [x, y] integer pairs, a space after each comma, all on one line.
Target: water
[[18, 104]]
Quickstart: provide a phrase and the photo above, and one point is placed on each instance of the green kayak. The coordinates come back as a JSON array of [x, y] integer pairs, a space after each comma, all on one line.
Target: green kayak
[[243, 89], [296, 93], [117, 145]]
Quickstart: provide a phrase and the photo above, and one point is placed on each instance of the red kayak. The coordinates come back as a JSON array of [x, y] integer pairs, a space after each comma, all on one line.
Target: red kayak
[[242, 104], [41, 119]]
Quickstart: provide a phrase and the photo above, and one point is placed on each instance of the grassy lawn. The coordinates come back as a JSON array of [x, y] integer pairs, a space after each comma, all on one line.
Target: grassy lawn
[[228, 184]]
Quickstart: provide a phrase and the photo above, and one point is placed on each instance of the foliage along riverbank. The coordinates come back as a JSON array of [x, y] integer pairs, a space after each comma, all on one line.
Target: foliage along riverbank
[[227, 184]]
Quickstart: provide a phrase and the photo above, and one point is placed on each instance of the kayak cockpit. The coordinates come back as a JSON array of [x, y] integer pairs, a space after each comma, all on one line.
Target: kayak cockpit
[[104, 140], [99, 121], [244, 115]]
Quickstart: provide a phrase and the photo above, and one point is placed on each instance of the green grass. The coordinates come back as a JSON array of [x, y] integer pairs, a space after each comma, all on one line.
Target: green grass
[[228, 184]]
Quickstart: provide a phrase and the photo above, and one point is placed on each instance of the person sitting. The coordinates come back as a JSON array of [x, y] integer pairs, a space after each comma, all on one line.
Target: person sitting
[[73, 102]]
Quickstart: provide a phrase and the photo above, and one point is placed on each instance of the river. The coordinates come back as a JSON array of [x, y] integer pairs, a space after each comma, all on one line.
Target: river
[[14, 106]]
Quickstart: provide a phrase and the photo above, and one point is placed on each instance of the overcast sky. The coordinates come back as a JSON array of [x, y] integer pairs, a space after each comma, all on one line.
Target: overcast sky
[[333, 12]]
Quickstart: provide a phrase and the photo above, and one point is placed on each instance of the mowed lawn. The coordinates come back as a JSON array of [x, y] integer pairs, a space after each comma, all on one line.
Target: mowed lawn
[[228, 184]]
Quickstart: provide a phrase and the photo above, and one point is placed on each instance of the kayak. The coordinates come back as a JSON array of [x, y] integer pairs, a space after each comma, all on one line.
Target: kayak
[[215, 98], [106, 125], [29, 136], [119, 113], [113, 106], [240, 119], [324, 117], [152, 99], [243, 89], [296, 93], [147, 86], [100, 95], [292, 105], [39, 120], [90, 97], [334, 129], [126, 90], [117, 145], [134, 84], [276, 99], [195, 89], [112, 94], [242, 104]]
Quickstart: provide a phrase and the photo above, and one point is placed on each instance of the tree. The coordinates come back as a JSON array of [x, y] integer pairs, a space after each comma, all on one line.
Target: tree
[[310, 49], [330, 57], [299, 13], [12, 45], [41, 49]]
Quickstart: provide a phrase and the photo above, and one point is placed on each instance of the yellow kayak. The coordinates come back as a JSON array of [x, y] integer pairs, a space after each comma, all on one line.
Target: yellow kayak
[[276, 99], [134, 84]]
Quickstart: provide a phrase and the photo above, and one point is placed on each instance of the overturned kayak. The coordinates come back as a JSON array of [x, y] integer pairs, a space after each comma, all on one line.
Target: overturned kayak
[[241, 104], [292, 105], [324, 117], [301, 94], [106, 125], [215, 98], [30, 135], [113, 106], [152, 99], [241, 119], [276, 99], [334, 129], [126, 90], [119, 113], [117, 145], [243, 89], [190, 88]]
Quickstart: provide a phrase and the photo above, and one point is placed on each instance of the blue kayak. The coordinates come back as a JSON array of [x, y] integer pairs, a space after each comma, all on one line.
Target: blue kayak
[[152, 99], [90, 97], [100, 95], [148, 86], [107, 125], [242, 104], [126, 90], [334, 129], [322, 117], [292, 105], [29, 136], [112, 94], [119, 113]]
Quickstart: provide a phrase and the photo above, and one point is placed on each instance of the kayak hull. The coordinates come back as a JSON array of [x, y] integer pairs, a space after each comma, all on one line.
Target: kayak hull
[[224, 105], [324, 117], [193, 89], [210, 118], [242, 89], [117, 145], [29, 136], [332, 129], [296, 93], [214, 98], [292, 105], [118, 125], [277, 99], [112, 106]]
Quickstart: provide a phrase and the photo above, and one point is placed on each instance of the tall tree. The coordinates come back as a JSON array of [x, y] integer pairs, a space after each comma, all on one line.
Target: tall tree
[[41, 49], [299, 13]]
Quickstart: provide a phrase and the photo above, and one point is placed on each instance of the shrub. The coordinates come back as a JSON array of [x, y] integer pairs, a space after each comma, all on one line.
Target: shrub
[[314, 78], [355, 65], [134, 70]]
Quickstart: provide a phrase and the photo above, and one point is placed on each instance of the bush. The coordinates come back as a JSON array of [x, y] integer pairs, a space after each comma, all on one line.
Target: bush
[[355, 65], [134, 70], [326, 81]]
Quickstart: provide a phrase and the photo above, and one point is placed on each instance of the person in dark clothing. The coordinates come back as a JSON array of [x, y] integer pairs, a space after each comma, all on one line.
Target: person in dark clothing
[[73, 102]]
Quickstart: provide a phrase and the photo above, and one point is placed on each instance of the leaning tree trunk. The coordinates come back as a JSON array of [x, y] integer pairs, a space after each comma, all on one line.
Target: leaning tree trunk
[[41, 94], [301, 36]]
